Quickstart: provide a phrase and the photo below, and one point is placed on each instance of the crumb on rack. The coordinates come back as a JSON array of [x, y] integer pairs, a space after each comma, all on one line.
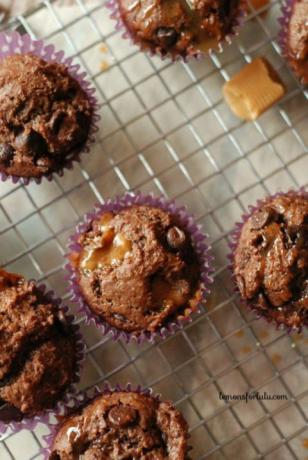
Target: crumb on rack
[[104, 65], [103, 48]]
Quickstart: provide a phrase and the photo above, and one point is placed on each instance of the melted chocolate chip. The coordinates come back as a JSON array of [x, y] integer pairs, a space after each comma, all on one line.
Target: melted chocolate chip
[[176, 237], [6, 154], [167, 36], [122, 416]]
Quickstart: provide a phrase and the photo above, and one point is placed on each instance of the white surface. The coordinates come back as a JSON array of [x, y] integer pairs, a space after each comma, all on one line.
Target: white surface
[[165, 128]]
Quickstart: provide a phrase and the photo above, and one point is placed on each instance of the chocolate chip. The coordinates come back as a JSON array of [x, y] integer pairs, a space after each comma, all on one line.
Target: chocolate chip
[[176, 237], [122, 415], [261, 218], [54, 456], [258, 240], [56, 121], [62, 324], [33, 142], [65, 95], [9, 413], [224, 9], [5, 381], [82, 119], [167, 36], [6, 154]]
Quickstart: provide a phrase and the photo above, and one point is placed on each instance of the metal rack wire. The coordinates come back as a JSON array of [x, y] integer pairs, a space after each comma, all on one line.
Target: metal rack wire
[[165, 128]]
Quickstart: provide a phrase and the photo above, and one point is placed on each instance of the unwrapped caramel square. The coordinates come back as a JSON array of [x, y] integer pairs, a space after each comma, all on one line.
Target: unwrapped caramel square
[[253, 90]]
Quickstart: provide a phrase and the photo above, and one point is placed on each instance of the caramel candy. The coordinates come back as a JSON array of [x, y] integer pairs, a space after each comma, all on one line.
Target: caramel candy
[[253, 90]]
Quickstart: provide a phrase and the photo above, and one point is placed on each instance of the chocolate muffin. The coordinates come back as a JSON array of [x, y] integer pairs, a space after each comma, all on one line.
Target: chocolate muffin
[[123, 425], [271, 260], [296, 41], [179, 27], [45, 116], [37, 347], [137, 268]]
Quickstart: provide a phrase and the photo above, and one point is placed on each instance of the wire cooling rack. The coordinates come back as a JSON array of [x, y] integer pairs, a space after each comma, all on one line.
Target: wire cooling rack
[[165, 128]]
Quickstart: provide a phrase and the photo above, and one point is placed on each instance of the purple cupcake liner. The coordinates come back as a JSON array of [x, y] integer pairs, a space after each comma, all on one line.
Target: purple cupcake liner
[[199, 240], [12, 43], [80, 400], [113, 6], [234, 240], [284, 21], [11, 420]]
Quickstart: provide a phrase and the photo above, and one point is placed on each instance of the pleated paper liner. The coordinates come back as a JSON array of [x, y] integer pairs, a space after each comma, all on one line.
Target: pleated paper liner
[[284, 20], [11, 419], [201, 247], [234, 240], [12, 43], [80, 400], [207, 47]]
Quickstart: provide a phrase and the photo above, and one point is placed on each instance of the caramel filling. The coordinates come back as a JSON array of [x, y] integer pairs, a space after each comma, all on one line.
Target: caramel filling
[[111, 249], [164, 294], [203, 40]]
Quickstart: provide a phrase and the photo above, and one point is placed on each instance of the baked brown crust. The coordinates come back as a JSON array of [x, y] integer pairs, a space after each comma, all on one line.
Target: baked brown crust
[[123, 425], [179, 27], [137, 269], [44, 116], [37, 347], [271, 260]]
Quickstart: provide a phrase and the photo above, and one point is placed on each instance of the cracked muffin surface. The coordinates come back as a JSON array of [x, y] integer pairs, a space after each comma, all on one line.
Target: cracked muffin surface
[[123, 425], [271, 260], [137, 268], [44, 116], [37, 347], [179, 27], [297, 40]]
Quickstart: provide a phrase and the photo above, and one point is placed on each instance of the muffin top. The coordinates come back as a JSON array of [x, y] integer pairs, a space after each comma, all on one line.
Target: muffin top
[[37, 359], [123, 425], [44, 116], [137, 268], [298, 39], [271, 259], [179, 27]]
